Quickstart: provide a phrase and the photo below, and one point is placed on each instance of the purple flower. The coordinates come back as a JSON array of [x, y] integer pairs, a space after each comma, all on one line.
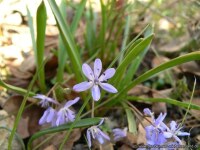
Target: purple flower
[[154, 132], [97, 134], [48, 116], [95, 80], [66, 115], [174, 132], [45, 100], [119, 133]]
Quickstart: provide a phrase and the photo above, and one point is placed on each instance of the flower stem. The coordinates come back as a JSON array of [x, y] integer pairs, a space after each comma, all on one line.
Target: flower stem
[[73, 124], [92, 113]]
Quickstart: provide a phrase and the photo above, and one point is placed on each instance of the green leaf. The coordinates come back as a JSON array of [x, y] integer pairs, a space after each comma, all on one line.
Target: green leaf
[[62, 52], [134, 52], [131, 119], [79, 124], [68, 41], [166, 100], [149, 74], [77, 16], [127, 47], [15, 89], [31, 27], [136, 62], [40, 40]]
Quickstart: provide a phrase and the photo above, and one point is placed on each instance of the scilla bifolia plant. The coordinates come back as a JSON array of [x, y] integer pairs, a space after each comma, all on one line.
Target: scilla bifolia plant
[[118, 81]]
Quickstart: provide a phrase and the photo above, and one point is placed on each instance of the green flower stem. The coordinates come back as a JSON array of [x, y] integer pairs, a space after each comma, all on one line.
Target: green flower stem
[[19, 114], [73, 124]]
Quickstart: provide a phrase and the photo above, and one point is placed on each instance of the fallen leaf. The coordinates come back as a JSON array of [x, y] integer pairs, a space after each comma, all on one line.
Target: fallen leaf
[[30, 117], [6, 124]]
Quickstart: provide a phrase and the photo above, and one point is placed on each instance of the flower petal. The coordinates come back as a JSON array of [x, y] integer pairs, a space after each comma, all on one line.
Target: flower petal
[[82, 86], [101, 122], [70, 116], [102, 134], [160, 119], [108, 87], [44, 117], [173, 125], [183, 133], [61, 119], [72, 102], [50, 115], [97, 67], [167, 134], [89, 139], [88, 71], [109, 73], [96, 92]]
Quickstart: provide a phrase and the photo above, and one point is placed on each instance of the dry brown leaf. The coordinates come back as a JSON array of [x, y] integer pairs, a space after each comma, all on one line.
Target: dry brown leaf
[[8, 123], [141, 138], [138, 90], [51, 147], [159, 107], [28, 65], [159, 60], [19, 74], [191, 67], [30, 117]]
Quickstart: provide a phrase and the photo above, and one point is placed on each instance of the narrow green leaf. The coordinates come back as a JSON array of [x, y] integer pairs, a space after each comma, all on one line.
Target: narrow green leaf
[[77, 16], [125, 39], [149, 74], [62, 52], [79, 124], [103, 28], [137, 61], [130, 57], [22, 106], [15, 89], [31, 27], [40, 40], [68, 41], [131, 119], [166, 100], [127, 47]]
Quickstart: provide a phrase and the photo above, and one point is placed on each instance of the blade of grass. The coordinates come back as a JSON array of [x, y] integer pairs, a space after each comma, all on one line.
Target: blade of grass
[[79, 124], [68, 41], [166, 100], [40, 40]]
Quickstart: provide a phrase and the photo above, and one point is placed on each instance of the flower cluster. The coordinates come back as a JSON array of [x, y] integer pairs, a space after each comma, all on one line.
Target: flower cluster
[[50, 115], [158, 132], [94, 132]]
